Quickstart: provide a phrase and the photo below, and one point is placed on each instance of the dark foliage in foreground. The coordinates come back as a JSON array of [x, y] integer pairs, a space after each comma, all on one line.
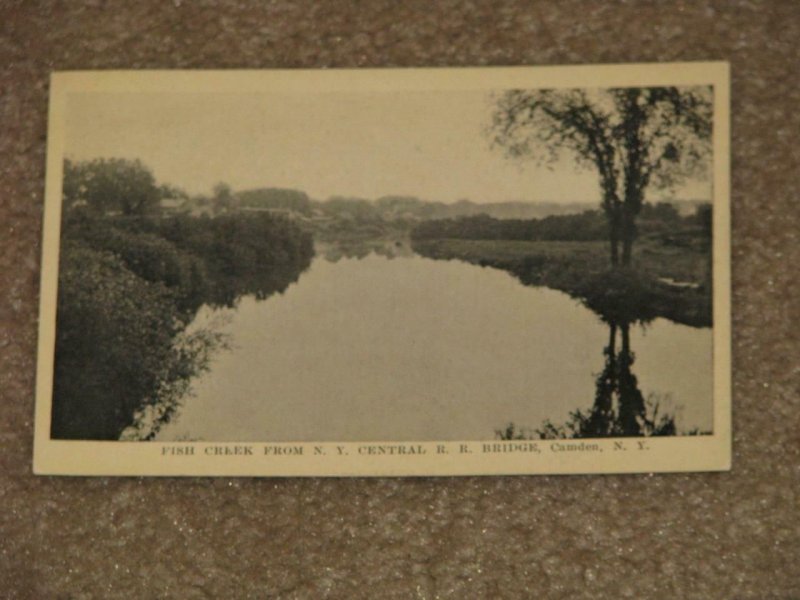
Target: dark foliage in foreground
[[114, 340], [129, 286]]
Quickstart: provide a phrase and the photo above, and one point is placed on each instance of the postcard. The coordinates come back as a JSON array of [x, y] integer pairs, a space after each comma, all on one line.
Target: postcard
[[386, 272]]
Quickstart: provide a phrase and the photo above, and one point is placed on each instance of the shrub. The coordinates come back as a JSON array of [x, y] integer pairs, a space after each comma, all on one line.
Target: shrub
[[113, 339]]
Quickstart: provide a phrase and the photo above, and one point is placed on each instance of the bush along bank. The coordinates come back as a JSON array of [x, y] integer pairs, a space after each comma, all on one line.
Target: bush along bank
[[128, 289]]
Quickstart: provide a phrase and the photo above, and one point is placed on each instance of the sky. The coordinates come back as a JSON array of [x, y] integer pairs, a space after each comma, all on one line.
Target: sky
[[426, 144]]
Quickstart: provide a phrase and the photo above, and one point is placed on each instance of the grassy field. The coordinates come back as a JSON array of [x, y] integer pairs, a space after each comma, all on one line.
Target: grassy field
[[665, 279]]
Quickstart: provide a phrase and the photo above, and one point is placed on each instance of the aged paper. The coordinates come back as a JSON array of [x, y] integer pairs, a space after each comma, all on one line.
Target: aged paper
[[386, 272]]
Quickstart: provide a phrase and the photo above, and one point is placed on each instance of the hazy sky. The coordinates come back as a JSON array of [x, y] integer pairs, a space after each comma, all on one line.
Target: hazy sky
[[427, 144]]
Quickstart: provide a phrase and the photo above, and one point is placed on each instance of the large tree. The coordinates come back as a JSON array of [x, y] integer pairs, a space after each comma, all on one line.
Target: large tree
[[633, 137], [109, 185]]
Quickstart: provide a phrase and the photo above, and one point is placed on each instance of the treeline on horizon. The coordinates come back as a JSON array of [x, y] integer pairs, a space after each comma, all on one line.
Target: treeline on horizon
[[384, 207], [130, 283], [116, 176], [589, 225], [411, 207]]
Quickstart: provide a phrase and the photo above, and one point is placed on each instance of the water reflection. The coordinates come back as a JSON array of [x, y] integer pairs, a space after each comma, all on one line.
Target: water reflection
[[394, 346], [619, 405], [359, 249]]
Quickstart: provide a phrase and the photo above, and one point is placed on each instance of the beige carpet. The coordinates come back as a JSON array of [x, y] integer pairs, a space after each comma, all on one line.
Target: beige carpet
[[732, 535]]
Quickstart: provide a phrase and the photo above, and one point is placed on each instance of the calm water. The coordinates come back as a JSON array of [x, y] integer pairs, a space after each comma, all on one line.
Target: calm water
[[416, 349]]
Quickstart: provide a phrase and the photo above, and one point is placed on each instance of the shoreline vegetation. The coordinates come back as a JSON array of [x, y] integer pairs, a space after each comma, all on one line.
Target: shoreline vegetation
[[131, 280], [139, 259], [128, 289], [640, 293], [667, 274]]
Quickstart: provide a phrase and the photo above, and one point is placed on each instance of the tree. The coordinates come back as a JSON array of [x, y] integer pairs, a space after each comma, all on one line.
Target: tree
[[632, 137], [165, 190], [110, 185], [222, 201]]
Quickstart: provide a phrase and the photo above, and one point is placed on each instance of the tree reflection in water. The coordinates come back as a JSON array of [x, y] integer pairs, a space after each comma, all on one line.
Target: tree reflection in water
[[620, 409]]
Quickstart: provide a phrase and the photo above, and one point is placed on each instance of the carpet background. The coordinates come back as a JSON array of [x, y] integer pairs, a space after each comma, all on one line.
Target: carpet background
[[729, 535]]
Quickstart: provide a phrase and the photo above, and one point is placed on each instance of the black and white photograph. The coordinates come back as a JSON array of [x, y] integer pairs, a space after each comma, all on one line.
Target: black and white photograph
[[439, 271]]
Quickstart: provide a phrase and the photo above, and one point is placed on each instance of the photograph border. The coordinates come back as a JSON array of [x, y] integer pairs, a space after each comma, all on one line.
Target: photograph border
[[330, 458]]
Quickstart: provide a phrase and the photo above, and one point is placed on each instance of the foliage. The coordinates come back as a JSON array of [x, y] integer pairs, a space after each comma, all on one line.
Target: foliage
[[583, 425], [190, 356], [581, 269], [166, 190], [632, 137], [222, 199], [257, 254], [355, 209], [129, 284], [620, 295], [411, 210], [113, 344], [512, 432], [660, 211], [589, 225], [704, 219], [150, 257], [111, 185]]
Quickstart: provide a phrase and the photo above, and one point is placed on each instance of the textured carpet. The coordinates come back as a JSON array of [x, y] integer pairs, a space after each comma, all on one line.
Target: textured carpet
[[730, 535]]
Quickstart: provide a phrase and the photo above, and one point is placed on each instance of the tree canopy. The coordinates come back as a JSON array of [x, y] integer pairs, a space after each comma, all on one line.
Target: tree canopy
[[111, 185], [632, 137]]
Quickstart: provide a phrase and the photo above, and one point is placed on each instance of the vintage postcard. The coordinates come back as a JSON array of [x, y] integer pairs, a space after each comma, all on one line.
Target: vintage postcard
[[386, 272]]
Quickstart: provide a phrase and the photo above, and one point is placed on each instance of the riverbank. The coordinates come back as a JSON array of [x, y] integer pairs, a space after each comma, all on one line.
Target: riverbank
[[670, 281], [128, 288]]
